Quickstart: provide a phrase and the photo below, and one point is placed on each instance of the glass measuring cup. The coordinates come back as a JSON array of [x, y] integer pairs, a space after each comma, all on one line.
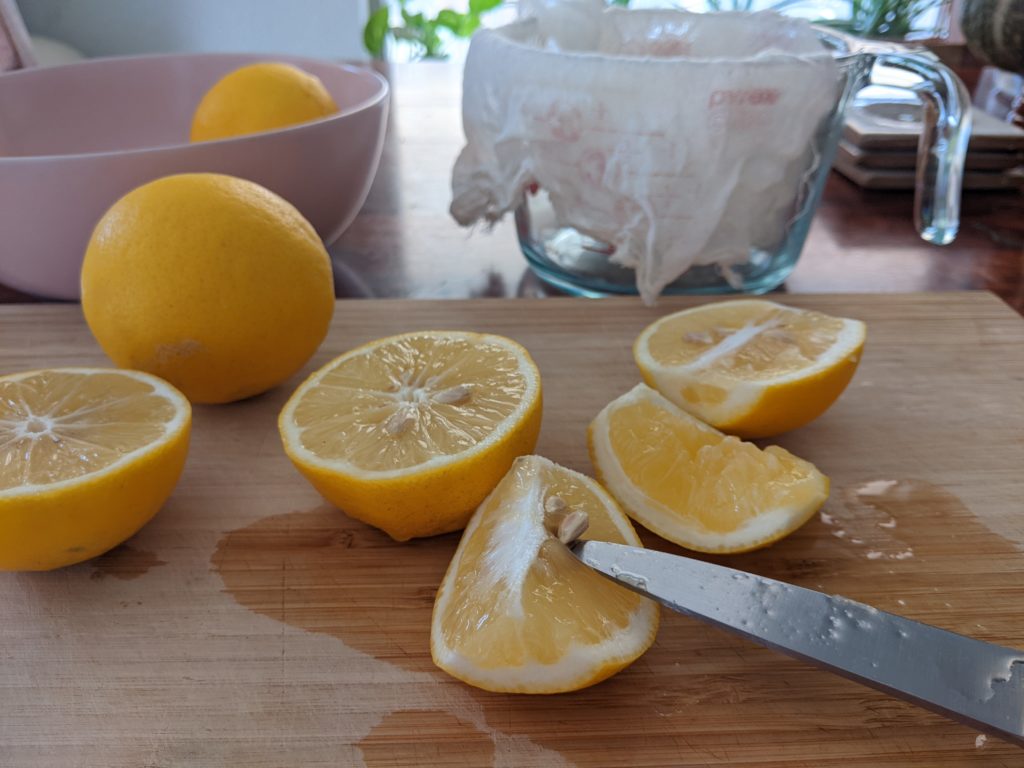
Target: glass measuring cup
[[580, 264]]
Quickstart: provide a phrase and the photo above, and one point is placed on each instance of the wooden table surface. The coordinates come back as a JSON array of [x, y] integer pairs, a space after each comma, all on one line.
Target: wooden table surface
[[251, 624], [404, 243]]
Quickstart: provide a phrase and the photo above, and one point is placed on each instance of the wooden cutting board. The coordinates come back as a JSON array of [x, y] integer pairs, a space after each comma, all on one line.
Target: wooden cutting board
[[250, 624]]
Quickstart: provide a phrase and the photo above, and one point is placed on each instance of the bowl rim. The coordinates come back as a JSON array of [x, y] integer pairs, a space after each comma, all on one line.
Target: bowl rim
[[382, 94]]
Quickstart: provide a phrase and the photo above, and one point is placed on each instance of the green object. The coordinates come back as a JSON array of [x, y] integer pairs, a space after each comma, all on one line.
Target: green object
[[882, 18], [375, 31], [729, 5], [482, 6], [868, 18], [421, 31]]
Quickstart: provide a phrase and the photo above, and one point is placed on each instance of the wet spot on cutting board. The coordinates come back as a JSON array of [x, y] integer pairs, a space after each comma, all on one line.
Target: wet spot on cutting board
[[696, 676], [321, 571], [891, 520], [868, 521], [898, 544], [411, 738], [124, 562]]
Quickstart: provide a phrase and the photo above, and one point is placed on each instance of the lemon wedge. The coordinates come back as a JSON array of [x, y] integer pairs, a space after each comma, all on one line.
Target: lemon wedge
[[517, 612], [693, 485], [749, 367]]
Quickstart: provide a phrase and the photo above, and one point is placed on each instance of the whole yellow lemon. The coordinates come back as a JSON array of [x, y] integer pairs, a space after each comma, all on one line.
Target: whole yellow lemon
[[260, 97], [211, 282]]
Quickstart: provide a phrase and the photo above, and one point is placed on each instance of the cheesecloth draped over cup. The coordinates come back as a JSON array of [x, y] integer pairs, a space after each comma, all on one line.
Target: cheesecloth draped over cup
[[679, 138]]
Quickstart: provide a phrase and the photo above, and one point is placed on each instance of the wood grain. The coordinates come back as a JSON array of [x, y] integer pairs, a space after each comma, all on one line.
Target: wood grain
[[251, 624]]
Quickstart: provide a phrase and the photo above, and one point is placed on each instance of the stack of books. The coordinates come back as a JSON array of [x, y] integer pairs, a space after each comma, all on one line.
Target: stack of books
[[878, 148]]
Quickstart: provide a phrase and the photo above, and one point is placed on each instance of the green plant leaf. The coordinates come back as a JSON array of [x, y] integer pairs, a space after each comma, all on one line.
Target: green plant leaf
[[482, 6], [459, 24], [414, 20], [449, 19], [433, 47], [421, 31], [376, 31], [470, 24]]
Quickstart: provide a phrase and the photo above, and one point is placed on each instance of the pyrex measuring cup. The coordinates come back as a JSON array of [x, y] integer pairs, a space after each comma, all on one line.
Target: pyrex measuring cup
[[578, 262]]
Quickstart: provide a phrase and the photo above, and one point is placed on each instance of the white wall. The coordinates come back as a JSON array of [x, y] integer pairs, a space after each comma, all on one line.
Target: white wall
[[330, 29]]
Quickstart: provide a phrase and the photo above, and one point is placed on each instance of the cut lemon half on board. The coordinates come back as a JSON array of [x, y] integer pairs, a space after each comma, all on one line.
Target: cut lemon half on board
[[690, 484], [749, 367], [517, 612], [87, 457], [410, 433]]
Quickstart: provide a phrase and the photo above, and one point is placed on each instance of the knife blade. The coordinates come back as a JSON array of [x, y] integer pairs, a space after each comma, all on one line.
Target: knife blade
[[972, 681]]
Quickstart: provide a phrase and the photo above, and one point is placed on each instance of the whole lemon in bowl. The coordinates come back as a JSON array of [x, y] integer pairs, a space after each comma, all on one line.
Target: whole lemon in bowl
[[211, 282], [260, 97]]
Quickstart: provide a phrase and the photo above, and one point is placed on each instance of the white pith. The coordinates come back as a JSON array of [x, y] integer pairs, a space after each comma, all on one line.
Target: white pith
[[506, 557]]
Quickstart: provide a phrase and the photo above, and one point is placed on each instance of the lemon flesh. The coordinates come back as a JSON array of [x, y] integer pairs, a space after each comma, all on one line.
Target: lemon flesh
[[411, 432], [517, 612], [87, 457], [749, 367], [695, 486]]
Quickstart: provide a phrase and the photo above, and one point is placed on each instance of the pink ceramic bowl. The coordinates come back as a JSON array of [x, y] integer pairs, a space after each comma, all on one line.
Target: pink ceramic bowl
[[74, 138]]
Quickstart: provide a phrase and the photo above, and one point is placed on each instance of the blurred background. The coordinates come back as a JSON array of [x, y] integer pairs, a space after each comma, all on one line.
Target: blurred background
[[330, 29], [408, 30], [334, 29]]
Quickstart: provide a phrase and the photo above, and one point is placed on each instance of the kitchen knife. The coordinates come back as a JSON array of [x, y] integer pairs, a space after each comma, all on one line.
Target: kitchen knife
[[974, 682]]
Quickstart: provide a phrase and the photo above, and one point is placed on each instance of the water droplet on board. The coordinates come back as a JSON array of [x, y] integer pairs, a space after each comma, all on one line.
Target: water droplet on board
[[877, 487], [868, 519]]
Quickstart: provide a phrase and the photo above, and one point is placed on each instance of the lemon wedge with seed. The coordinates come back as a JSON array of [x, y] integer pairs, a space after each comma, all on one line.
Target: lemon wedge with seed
[[693, 485], [87, 457], [749, 367], [517, 612], [411, 432]]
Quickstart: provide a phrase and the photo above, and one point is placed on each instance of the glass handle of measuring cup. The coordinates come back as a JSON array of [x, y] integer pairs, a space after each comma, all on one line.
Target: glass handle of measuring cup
[[940, 153]]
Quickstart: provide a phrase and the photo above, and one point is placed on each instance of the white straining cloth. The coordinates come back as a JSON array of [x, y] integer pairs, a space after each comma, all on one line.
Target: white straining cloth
[[680, 138]]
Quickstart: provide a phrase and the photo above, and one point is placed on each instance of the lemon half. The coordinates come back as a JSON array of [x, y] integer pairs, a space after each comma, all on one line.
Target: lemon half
[[87, 457], [411, 432]]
